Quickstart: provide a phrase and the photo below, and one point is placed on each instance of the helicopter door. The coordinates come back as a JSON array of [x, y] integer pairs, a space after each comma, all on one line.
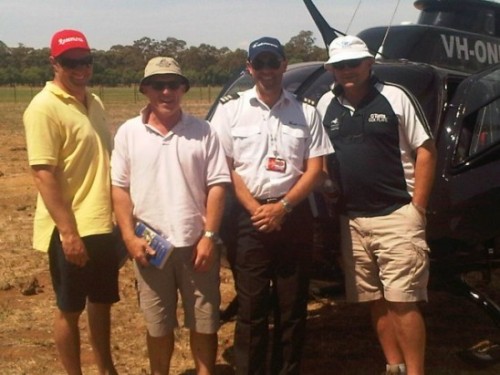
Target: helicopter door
[[470, 177]]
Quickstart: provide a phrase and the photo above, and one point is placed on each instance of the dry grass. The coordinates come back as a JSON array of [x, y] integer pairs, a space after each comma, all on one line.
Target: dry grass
[[339, 341]]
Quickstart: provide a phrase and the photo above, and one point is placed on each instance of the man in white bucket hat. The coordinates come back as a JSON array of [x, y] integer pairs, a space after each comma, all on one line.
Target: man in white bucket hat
[[384, 163]]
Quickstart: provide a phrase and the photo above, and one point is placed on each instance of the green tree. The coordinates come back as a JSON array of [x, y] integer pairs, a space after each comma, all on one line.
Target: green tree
[[34, 76], [124, 64], [302, 48]]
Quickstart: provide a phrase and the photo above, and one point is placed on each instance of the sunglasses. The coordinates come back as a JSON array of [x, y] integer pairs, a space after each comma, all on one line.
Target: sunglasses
[[162, 85], [347, 64], [271, 63], [70, 63]]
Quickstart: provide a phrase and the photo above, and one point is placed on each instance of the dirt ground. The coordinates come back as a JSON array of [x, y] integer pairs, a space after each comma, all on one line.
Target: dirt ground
[[339, 338]]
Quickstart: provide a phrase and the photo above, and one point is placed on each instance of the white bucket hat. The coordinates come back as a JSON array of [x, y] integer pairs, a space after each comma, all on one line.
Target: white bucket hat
[[347, 48]]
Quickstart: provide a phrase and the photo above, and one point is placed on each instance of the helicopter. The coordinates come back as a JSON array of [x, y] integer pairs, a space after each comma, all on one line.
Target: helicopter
[[449, 60]]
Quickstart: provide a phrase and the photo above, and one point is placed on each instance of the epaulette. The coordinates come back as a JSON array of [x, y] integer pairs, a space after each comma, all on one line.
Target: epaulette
[[308, 101], [227, 98]]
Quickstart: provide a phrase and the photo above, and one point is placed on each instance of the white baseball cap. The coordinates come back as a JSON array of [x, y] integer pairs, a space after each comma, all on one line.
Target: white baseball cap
[[347, 48]]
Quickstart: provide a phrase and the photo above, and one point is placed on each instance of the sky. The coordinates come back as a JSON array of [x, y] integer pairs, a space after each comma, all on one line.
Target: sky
[[220, 23]]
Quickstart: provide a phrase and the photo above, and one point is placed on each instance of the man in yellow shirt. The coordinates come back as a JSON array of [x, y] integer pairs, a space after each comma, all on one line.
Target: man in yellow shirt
[[68, 150]]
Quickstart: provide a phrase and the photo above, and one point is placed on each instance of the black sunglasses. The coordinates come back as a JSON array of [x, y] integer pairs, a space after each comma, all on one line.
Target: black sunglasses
[[70, 63], [271, 63], [347, 64], [161, 85]]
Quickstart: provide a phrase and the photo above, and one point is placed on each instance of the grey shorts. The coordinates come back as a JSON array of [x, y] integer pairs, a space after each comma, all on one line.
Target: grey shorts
[[199, 292], [386, 256]]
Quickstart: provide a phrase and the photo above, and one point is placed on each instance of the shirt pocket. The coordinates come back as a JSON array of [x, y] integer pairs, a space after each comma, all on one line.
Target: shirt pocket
[[294, 142], [247, 141]]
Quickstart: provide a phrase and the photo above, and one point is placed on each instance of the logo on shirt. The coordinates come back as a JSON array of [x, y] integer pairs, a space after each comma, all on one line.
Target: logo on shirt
[[377, 117], [334, 124]]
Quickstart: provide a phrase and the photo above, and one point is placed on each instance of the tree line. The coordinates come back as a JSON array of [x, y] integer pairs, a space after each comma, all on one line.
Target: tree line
[[124, 64]]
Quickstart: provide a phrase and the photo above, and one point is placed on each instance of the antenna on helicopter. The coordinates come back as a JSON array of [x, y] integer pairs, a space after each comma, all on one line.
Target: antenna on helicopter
[[327, 32], [380, 52], [352, 18]]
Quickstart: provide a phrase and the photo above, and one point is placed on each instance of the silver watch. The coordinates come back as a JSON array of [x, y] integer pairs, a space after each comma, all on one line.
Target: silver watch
[[211, 234], [286, 205]]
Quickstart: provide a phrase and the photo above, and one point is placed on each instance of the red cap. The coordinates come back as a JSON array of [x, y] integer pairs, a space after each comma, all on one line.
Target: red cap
[[65, 40]]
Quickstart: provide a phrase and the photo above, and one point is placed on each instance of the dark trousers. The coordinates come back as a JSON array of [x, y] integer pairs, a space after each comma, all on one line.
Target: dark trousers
[[271, 274]]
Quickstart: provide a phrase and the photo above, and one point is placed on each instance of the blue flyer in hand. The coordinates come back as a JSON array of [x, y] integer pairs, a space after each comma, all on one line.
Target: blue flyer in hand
[[157, 242]]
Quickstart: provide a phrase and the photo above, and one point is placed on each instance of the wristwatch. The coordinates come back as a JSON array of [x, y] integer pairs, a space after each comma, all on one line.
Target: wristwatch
[[212, 235], [286, 205]]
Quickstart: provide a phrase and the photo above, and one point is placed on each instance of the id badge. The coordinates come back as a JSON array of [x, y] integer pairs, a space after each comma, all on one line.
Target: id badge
[[276, 164]]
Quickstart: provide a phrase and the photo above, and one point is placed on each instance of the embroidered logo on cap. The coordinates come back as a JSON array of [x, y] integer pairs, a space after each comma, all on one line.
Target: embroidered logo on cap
[[63, 41], [164, 63]]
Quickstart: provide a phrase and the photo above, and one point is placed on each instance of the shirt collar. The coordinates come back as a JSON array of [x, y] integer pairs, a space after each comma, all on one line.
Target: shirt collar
[[145, 111], [338, 90], [285, 97], [57, 91]]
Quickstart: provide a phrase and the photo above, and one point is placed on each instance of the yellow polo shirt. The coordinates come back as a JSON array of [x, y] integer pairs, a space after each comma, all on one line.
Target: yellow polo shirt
[[62, 132]]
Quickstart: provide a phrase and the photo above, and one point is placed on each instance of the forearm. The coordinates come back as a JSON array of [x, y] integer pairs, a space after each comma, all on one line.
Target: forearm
[[241, 191], [48, 182], [203, 254], [424, 174], [123, 209], [215, 207], [307, 182]]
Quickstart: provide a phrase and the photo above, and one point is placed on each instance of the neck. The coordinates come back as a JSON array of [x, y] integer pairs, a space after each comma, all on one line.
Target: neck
[[356, 94], [164, 122], [269, 97], [79, 93]]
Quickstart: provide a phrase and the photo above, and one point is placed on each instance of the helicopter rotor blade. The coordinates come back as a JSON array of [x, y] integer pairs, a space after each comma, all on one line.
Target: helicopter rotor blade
[[327, 32]]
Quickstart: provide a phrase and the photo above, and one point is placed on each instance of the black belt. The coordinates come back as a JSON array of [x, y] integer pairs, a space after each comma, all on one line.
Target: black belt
[[269, 200]]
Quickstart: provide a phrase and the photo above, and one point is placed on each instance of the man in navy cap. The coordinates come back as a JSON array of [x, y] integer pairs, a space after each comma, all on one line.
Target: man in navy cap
[[274, 144]]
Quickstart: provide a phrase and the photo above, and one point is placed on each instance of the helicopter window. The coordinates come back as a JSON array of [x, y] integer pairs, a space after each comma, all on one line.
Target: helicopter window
[[322, 84], [480, 131], [465, 18], [487, 129], [301, 75], [241, 84]]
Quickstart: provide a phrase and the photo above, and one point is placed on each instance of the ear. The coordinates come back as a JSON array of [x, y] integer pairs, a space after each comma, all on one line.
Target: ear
[[284, 65]]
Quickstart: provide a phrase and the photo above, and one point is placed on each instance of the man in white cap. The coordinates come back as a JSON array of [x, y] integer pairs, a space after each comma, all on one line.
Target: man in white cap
[[68, 146], [384, 162], [275, 146], [168, 171]]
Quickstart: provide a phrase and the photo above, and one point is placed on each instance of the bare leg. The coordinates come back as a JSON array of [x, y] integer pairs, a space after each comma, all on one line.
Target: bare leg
[[160, 350], [67, 339], [100, 332], [204, 350], [409, 328], [383, 325]]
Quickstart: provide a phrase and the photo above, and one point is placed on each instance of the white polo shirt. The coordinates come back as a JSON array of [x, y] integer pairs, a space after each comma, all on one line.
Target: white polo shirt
[[251, 133], [169, 175]]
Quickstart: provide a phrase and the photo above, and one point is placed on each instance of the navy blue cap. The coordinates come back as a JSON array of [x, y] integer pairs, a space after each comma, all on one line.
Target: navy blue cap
[[265, 44]]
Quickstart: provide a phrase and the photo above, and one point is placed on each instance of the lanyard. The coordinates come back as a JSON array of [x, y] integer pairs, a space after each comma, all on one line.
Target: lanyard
[[274, 130]]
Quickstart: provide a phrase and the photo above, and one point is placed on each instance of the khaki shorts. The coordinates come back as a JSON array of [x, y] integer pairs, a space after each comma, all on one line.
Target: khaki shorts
[[199, 293], [386, 256]]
